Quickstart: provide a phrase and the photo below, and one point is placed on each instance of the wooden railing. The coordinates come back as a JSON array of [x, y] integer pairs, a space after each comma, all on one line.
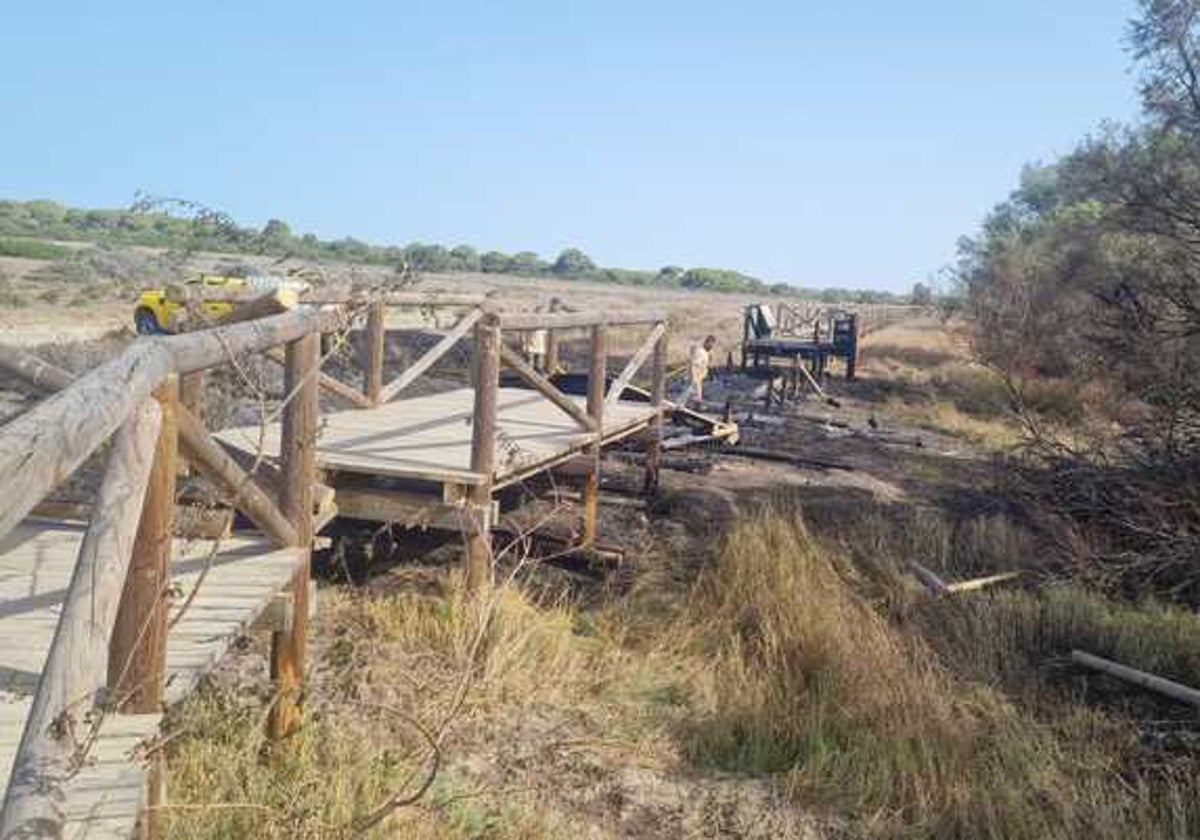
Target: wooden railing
[[148, 401]]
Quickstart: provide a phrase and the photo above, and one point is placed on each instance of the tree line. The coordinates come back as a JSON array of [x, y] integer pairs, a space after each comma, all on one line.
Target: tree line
[[157, 223], [1084, 287]]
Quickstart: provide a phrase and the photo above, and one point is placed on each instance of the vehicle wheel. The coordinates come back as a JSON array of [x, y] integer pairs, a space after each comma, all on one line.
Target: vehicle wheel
[[145, 322]]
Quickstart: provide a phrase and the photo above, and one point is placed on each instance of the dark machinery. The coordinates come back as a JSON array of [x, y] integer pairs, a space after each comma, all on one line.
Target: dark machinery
[[815, 340]]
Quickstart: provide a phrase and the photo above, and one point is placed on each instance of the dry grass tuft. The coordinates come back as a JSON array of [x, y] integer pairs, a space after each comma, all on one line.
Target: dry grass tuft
[[400, 669], [808, 680]]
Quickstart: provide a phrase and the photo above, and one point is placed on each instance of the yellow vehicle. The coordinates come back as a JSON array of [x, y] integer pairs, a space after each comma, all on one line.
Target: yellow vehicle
[[155, 314]]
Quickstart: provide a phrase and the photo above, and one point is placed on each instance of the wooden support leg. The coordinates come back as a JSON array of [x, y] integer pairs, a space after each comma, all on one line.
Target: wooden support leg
[[551, 352], [478, 560], [658, 394], [137, 653], [298, 453], [373, 364], [150, 826], [595, 408]]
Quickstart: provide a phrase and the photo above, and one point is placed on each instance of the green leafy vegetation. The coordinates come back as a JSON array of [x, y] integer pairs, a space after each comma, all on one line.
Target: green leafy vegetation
[[26, 227], [32, 249], [1084, 291]]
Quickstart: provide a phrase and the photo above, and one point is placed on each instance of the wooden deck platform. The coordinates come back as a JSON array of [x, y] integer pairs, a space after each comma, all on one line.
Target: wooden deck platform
[[429, 438], [36, 563]]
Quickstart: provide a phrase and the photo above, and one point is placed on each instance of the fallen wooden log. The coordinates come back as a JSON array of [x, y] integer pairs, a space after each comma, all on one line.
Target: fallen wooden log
[[639, 458], [980, 583], [811, 381], [784, 458], [688, 440], [1159, 685]]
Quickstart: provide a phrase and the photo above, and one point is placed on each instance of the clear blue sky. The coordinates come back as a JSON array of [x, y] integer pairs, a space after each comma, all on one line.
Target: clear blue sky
[[817, 143]]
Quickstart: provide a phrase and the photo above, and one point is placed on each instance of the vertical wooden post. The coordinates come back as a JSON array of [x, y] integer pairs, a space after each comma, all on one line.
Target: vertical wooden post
[[191, 397], [551, 352], [658, 394], [746, 337], [191, 392], [137, 651], [75, 665], [597, 358], [478, 572], [298, 452], [376, 334], [852, 351], [552, 342]]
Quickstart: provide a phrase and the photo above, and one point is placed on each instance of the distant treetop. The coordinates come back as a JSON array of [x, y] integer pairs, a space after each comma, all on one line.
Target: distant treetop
[[200, 229]]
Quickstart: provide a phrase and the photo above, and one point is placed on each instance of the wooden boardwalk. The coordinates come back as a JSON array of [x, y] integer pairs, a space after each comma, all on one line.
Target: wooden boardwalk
[[36, 562], [74, 596], [429, 438]]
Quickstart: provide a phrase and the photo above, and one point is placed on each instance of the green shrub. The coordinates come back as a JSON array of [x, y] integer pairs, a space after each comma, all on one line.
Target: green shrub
[[31, 249]]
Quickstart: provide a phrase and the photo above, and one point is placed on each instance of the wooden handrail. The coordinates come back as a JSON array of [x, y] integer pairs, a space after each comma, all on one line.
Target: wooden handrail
[[41, 447], [328, 383], [197, 444], [215, 463], [75, 666], [45, 444], [42, 375], [337, 295], [568, 320], [546, 388], [634, 364], [417, 368]]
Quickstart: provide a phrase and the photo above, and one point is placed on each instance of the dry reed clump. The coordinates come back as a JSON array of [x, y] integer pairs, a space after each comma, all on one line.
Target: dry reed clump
[[400, 671], [1013, 638], [804, 678]]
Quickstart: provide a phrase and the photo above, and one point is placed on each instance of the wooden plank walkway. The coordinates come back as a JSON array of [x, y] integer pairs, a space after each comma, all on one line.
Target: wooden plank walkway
[[429, 438], [36, 563]]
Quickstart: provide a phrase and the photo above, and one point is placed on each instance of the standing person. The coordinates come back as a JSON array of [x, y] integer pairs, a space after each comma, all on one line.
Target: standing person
[[698, 364], [533, 343]]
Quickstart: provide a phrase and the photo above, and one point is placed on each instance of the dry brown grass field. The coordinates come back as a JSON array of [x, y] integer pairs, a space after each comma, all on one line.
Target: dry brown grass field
[[761, 665]]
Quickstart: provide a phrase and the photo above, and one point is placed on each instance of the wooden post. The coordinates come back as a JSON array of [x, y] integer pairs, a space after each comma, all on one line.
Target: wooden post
[[137, 658], [376, 334], [191, 393], [298, 453], [852, 351], [746, 337], [551, 352], [478, 572], [658, 394], [595, 407], [191, 399], [75, 666]]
